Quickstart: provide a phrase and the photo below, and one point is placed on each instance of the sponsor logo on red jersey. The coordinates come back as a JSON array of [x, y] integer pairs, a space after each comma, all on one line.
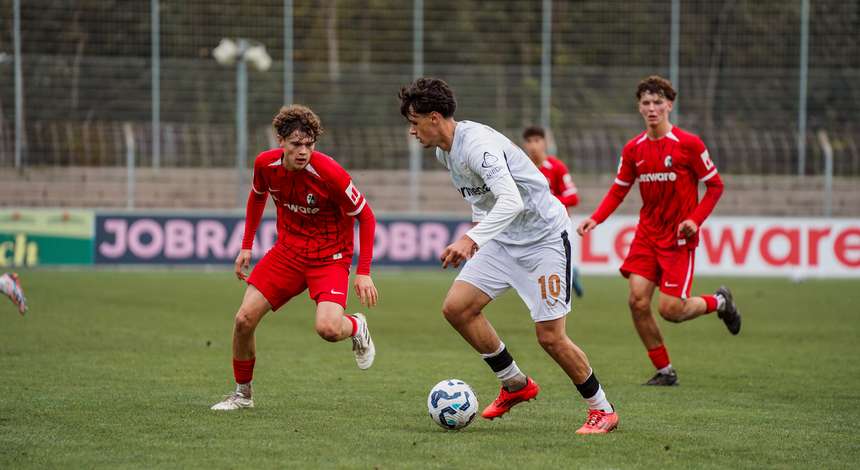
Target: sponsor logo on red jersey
[[658, 177], [301, 209]]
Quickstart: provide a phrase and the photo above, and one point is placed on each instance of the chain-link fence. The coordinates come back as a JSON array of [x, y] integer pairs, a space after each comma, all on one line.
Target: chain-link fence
[[87, 70]]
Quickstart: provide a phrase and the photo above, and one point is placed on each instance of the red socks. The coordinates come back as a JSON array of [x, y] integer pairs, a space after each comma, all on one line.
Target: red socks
[[711, 302], [354, 324], [243, 370], [659, 357]]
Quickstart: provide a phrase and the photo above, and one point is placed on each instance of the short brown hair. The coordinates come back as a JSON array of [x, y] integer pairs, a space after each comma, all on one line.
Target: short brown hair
[[426, 95], [657, 85], [296, 117], [534, 131]]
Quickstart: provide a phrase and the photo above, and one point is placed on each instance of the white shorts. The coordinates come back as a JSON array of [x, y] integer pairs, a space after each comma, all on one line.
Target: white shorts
[[540, 273]]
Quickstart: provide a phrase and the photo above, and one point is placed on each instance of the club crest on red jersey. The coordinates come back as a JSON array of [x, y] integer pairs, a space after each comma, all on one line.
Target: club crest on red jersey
[[312, 200], [668, 161]]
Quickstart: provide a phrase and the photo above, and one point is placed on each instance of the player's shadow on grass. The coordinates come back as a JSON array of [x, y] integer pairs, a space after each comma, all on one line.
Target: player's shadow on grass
[[481, 427]]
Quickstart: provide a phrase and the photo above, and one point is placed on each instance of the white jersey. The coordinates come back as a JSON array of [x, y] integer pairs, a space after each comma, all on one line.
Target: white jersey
[[510, 198]]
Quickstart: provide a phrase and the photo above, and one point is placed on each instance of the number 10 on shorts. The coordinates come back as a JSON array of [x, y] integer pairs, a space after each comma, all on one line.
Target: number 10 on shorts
[[550, 285]]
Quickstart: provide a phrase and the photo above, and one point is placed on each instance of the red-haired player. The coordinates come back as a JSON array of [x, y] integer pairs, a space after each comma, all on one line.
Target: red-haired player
[[317, 205], [669, 163]]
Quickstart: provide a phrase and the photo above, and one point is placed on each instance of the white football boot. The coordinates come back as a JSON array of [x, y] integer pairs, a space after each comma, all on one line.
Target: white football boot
[[234, 401], [10, 285], [362, 344]]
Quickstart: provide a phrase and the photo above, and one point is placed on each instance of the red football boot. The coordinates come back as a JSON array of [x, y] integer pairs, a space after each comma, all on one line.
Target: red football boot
[[506, 400]]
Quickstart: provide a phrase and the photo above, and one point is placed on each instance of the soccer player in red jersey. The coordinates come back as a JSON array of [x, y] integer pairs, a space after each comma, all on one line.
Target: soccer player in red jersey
[[668, 163], [560, 183], [317, 204]]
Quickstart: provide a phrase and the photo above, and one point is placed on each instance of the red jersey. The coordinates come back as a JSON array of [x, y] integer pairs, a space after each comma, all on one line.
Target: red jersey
[[316, 205], [560, 183], [668, 170]]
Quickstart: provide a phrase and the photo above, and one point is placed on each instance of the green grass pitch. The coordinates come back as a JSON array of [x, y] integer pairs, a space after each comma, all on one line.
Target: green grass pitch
[[118, 370]]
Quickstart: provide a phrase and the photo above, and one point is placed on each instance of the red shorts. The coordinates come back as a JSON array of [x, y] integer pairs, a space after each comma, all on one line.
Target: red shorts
[[670, 268], [280, 276]]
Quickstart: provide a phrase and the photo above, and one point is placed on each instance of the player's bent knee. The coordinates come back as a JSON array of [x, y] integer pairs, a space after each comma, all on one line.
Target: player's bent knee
[[550, 340], [245, 323], [329, 331], [455, 312], [672, 311]]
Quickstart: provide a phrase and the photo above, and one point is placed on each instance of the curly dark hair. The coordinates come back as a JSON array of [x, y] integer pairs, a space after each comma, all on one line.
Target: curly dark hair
[[296, 117], [534, 131], [426, 95], [657, 85]]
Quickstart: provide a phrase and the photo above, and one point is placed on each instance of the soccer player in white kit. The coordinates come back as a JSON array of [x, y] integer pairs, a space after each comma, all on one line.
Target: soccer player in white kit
[[521, 240]]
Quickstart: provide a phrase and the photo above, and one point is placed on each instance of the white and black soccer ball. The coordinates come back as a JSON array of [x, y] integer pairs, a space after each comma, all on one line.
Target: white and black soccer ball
[[452, 404]]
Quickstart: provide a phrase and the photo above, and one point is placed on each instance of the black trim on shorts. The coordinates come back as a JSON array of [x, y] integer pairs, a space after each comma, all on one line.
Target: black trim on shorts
[[566, 242]]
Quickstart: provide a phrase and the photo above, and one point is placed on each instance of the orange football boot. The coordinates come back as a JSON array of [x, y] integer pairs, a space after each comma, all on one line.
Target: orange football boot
[[599, 422], [506, 400]]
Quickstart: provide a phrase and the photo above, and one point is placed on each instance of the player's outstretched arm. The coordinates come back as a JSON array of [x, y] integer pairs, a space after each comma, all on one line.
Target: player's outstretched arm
[[704, 169], [616, 194], [713, 191], [363, 284], [253, 215]]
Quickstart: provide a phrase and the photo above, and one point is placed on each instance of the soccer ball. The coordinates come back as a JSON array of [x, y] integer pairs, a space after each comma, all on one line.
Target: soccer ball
[[452, 404]]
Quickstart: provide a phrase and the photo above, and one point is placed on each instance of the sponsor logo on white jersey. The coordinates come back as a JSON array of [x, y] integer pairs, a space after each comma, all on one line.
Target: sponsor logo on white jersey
[[489, 160], [466, 191], [657, 177]]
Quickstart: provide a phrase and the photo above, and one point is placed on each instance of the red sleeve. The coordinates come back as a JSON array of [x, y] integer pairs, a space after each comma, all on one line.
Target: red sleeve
[[706, 172], [565, 190], [258, 180], [366, 232], [610, 202], [713, 191], [256, 205], [348, 197], [253, 215], [353, 204], [618, 191]]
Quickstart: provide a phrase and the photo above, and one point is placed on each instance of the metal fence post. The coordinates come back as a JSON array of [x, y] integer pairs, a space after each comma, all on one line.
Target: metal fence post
[[827, 149], [241, 122], [288, 52], [675, 54], [417, 71], [546, 66], [156, 85], [128, 134], [804, 71], [19, 88]]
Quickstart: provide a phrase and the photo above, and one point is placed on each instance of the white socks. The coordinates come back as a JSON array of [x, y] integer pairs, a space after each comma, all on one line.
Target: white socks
[[721, 302], [599, 401]]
